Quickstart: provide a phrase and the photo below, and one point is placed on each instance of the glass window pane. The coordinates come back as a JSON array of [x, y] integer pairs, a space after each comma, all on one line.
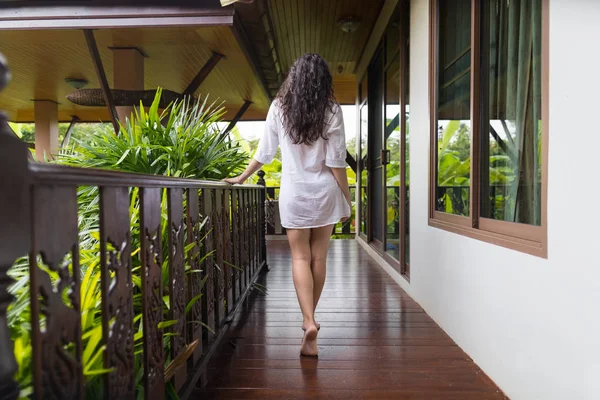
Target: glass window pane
[[364, 175], [453, 107], [392, 36], [392, 144], [406, 93], [512, 121]]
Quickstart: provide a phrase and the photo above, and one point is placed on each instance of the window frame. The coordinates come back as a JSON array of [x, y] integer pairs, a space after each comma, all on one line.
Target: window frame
[[522, 237], [362, 100]]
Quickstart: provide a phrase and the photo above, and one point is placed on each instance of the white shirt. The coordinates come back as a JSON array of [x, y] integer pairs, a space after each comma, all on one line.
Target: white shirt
[[309, 196]]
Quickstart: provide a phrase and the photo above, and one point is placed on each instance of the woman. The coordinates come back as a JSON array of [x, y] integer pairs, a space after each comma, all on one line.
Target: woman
[[306, 121]]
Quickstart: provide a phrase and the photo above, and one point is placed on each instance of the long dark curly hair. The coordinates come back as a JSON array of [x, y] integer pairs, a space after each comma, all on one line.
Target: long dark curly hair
[[305, 97]]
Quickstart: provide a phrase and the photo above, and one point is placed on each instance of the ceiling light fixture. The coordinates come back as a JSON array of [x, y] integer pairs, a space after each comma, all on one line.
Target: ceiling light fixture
[[349, 24], [76, 83]]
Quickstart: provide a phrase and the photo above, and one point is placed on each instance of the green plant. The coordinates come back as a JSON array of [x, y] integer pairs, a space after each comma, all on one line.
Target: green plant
[[181, 141]]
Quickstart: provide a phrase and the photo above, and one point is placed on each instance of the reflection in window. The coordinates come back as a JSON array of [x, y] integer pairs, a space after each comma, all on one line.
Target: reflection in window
[[511, 158], [392, 145], [453, 107]]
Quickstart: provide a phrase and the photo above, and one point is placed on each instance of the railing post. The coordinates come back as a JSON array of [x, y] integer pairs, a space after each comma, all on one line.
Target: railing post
[[262, 217], [14, 233]]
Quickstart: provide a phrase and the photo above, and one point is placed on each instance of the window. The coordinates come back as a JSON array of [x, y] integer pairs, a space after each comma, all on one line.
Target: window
[[453, 125], [489, 120], [511, 118], [404, 139]]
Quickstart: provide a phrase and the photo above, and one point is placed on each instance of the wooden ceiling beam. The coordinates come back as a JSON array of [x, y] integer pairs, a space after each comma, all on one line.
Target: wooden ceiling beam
[[238, 116], [350, 161], [100, 15], [69, 132], [387, 10], [108, 98], [246, 45], [203, 74]]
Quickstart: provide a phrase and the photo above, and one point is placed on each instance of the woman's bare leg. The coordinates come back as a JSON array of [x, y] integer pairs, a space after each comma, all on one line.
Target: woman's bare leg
[[303, 281], [319, 243]]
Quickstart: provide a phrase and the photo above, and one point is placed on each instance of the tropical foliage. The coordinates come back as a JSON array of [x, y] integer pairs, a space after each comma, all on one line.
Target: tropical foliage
[[181, 141], [454, 167]]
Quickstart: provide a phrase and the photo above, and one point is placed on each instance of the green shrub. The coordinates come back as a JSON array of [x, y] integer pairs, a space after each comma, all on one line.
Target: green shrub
[[181, 141]]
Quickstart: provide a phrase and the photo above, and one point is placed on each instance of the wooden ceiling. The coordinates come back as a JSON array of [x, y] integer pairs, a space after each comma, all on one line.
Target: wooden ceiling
[[41, 60], [311, 26]]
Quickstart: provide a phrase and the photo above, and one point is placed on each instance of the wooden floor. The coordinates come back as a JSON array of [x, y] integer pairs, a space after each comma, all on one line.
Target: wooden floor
[[375, 341]]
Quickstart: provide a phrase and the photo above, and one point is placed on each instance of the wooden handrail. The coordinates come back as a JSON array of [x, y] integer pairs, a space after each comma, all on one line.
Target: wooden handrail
[[62, 174]]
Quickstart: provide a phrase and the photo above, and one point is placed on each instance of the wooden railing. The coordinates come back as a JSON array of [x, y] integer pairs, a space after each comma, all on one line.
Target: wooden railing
[[215, 240], [274, 228]]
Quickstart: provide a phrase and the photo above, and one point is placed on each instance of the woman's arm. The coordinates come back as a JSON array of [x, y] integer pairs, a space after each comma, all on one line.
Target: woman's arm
[[250, 170], [335, 152], [267, 147], [342, 179]]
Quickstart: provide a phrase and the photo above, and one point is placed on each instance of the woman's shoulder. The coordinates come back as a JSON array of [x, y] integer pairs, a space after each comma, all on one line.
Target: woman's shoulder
[[333, 112]]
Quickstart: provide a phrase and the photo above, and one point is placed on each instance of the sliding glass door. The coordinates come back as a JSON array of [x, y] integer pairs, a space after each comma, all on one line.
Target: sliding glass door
[[384, 144]]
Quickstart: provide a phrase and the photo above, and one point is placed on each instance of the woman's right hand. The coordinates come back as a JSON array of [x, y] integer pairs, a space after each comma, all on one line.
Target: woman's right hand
[[349, 205]]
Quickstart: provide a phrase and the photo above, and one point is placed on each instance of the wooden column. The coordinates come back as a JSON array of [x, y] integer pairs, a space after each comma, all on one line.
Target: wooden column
[[46, 129], [128, 72], [14, 234]]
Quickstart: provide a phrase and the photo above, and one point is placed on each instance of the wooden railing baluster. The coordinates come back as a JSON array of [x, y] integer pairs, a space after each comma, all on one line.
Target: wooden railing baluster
[[150, 232], [55, 325], [194, 236], [228, 252], [255, 244], [246, 244], [262, 215], [235, 243], [219, 258], [177, 280], [208, 300], [117, 292]]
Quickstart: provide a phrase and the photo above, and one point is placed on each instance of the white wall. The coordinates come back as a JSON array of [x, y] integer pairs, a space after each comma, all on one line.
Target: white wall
[[533, 325]]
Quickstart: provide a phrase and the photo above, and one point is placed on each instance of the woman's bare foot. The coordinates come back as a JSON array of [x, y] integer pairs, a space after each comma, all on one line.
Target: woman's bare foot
[[317, 324], [309, 342]]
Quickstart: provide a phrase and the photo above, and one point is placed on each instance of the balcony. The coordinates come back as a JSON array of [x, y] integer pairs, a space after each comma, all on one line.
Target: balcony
[[212, 320]]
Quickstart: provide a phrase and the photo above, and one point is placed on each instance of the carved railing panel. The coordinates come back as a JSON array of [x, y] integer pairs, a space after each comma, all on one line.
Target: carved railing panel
[[152, 293], [194, 279], [235, 238], [208, 299], [206, 228], [117, 292], [177, 282], [55, 294], [227, 252]]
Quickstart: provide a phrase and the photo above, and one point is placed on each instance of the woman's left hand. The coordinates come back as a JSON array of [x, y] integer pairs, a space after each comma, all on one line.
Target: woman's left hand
[[234, 181]]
